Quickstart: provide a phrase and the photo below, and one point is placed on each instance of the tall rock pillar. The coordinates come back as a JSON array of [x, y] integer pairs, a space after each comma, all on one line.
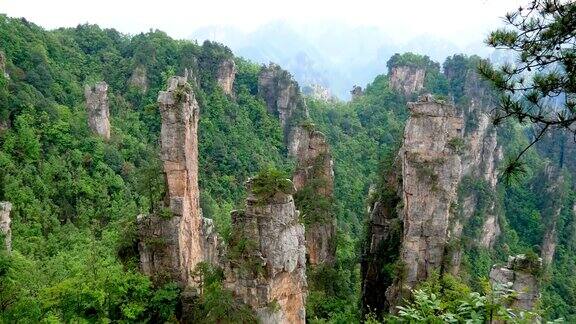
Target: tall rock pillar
[[97, 106], [267, 266], [175, 240], [5, 229]]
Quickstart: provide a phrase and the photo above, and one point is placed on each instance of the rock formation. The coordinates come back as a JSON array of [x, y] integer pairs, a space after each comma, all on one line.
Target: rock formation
[[551, 182], [283, 98], [268, 269], [225, 76], [481, 154], [522, 274], [431, 171], [5, 229], [139, 79], [415, 231], [356, 92], [3, 65], [407, 79], [97, 106], [175, 240], [314, 182]]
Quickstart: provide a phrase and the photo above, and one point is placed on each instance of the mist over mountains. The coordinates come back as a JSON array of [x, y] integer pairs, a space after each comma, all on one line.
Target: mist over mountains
[[333, 54]]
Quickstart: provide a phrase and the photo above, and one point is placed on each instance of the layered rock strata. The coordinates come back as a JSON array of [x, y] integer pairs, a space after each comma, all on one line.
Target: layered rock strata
[[267, 265], [97, 107]]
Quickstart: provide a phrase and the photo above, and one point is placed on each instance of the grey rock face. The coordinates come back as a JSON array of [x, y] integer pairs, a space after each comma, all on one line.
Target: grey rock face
[[315, 174], [407, 79], [277, 292], [5, 220], [282, 96], [431, 170], [520, 273], [139, 79], [3, 65], [97, 106], [226, 75]]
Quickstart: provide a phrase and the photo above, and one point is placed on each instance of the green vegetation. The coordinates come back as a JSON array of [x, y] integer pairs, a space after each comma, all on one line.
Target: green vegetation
[[76, 196]]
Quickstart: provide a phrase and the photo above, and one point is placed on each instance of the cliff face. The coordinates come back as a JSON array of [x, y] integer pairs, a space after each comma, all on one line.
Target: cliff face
[[97, 107], [314, 182], [173, 242], [139, 79], [431, 171], [282, 96], [481, 154], [225, 76], [407, 79], [5, 229], [522, 274], [269, 274], [410, 221], [3, 64], [553, 181]]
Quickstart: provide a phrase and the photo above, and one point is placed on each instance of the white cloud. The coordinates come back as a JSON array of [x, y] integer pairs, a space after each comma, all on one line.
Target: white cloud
[[460, 21]]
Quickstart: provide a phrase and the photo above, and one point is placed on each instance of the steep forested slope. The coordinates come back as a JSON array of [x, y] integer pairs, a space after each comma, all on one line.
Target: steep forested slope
[[75, 196]]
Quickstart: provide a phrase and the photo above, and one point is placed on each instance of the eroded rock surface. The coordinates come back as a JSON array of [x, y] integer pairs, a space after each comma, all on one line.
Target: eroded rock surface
[[521, 274], [407, 79], [225, 76], [314, 182], [270, 274], [139, 79], [431, 170], [176, 239], [282, 96], [5, 220], [97, 107]]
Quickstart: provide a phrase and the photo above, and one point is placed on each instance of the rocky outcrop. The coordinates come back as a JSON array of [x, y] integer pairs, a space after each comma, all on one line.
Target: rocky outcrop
[[384, 235], [410, 220], [552, 183], [225, 76], [174, 240], [283, 98], [97, 107], [481, 153], [267, 266], [139, 79], [407, 79], [356, 92], [314, 182], [431, 170], [3, 65], [5, 229], [521, 274]]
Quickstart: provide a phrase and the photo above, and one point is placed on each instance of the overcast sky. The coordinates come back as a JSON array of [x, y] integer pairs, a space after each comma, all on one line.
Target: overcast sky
[[461, 21]]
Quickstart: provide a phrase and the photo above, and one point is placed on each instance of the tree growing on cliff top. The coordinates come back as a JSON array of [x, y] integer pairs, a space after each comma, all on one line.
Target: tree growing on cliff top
[[540, 88]]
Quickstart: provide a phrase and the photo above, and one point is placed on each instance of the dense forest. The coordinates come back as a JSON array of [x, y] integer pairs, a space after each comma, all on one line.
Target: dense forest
[[76, 196]]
